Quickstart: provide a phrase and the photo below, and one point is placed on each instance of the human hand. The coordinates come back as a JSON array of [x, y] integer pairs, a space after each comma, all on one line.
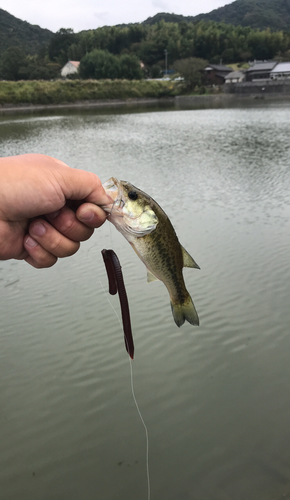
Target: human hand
[[46, 209]]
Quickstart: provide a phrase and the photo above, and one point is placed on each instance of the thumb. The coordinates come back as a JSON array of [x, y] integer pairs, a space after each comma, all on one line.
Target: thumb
[[82, 185]]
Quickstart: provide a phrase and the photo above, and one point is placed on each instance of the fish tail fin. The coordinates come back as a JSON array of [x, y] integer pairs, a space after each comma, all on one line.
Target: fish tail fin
[[184, 311]]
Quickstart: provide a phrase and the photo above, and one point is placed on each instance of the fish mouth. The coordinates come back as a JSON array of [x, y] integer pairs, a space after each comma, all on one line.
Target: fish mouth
[[114, 189]]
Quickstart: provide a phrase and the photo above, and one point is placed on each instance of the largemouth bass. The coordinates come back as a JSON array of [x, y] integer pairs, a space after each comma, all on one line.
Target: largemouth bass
[[149, 231]]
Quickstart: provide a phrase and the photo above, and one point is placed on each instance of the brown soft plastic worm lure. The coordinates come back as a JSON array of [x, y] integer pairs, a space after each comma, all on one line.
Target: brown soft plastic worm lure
[[116, 283]]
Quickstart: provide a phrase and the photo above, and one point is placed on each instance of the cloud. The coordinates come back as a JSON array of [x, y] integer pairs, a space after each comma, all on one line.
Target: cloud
[[102, 16], [161, 4]]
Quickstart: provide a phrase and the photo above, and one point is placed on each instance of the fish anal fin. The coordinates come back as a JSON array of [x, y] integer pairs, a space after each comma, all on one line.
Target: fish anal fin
[[188, 261], [151, 277]]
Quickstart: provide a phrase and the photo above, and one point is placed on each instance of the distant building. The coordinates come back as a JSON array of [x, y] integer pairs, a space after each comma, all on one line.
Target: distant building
[[70, 68], [260, 70], [281, 71], [235, 77], [216, 74]]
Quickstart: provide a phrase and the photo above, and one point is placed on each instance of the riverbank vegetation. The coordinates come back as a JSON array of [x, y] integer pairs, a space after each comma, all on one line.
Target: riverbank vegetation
[[62, 92]]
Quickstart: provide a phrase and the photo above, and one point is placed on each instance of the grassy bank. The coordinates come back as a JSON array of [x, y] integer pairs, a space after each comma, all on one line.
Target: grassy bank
[[61, 92]]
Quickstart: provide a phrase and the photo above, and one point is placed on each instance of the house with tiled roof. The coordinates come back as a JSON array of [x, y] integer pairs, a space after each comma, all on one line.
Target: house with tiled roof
[[215, 74], [260, 70]]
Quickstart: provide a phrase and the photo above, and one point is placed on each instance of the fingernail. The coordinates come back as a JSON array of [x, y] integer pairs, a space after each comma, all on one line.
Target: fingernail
[[30, 242], [87, 216], [38, 229], [53, 215]]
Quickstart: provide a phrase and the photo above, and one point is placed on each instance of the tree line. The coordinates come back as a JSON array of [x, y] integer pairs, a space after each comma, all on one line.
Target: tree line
[[116, 52]]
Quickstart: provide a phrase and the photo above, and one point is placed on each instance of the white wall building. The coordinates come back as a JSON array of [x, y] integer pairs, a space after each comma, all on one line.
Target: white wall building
[[235, 77], [281, 71], [70, 68]]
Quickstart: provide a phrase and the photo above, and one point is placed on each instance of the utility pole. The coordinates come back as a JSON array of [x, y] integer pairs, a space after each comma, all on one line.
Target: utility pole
[[165, 52]]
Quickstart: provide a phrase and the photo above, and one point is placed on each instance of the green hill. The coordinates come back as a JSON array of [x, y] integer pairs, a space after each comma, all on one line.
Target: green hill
[[273, 14], [14, 32], [168, 18]]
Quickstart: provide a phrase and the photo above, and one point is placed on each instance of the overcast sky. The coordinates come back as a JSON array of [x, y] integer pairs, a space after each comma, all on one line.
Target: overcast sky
[[90, 14]]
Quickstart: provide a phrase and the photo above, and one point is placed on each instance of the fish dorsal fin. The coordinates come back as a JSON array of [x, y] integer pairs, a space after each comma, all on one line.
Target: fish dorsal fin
[[188, 260], [151, 277]]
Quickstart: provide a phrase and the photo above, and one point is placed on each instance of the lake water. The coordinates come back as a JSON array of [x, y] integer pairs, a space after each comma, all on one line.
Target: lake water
[[215, 398]]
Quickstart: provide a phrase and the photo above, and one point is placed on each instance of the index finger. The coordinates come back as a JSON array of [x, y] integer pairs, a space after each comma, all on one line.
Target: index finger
[[91, 215]]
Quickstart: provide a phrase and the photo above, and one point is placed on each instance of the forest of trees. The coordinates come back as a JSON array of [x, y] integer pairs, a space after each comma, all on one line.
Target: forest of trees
[[257, 14], [273, 14], [116, 52]]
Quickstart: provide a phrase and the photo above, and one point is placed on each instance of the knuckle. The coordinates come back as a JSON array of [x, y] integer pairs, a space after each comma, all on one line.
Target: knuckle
[[72, 250], [87, 233], [55, 244], [41, 261], [73, 229], [64, 248], [67, 225], [47, 263]]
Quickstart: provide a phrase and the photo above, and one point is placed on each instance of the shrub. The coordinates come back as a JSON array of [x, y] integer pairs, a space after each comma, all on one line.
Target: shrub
[[99, 64]]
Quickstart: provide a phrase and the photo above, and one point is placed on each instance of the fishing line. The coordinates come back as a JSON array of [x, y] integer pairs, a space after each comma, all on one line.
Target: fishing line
[[144, 425], [134, 398]]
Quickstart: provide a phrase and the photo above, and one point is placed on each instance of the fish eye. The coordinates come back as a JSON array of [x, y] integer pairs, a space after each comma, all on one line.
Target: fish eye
[[133, 195]]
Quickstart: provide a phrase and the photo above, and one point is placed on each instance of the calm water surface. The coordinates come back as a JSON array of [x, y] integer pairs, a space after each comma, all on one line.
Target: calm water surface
[[216, 399]]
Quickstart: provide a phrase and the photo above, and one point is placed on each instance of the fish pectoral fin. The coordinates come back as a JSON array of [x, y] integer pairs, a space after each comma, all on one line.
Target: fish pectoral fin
[[188, 261], [151, 277], [137, 232]]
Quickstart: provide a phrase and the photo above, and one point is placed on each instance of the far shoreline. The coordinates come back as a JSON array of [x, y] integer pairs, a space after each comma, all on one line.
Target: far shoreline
[[96, 103], [181, 101]]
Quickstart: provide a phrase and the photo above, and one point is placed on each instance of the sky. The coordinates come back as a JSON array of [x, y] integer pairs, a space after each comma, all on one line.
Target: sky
[[90, 14]]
